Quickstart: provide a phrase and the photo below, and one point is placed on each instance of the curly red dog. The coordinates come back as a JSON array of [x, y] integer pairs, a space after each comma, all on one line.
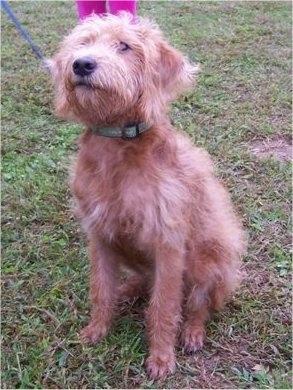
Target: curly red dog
[[147, 198]]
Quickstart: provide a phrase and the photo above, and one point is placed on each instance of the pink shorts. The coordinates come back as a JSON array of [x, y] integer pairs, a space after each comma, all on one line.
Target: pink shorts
[[87, 7]]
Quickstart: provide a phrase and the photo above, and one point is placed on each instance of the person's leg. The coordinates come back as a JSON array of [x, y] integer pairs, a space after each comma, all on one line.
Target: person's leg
[[115, 6], [86, 7]]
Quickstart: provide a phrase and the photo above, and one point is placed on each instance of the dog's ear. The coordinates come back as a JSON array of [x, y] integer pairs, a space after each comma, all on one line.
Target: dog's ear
[[168, 74], [176, 73], [62, 107], [49, 65]]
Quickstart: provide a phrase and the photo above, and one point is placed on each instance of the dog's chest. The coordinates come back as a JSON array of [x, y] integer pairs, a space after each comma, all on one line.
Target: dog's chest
[[115, 201], [137, 202]]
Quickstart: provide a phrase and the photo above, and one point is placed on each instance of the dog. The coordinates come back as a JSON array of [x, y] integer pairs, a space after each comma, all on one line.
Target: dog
[[147, 198]]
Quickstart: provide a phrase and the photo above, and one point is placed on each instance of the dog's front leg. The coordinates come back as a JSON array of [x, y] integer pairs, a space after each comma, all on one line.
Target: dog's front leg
[[163, 314], [103, 264]]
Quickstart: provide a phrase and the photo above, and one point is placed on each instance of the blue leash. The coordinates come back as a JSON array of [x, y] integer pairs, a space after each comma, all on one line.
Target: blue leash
[[20, 29]]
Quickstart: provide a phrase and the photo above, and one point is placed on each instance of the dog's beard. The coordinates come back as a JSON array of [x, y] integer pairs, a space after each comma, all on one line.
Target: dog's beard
[[84, 82], [95, 105], [100, 97], [107, 79]]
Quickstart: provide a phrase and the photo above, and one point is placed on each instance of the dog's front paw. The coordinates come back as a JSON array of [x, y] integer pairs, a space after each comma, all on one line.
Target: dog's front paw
[[160, 365], [93, 332], [192, 338]]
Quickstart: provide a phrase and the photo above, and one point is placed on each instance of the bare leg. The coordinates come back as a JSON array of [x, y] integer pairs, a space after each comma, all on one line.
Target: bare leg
[[163, 314], [122, 5], [87, 7], [102, 290]]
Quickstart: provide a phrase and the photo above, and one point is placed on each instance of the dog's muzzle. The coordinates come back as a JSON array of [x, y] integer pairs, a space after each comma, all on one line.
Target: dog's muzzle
[[84, 66]]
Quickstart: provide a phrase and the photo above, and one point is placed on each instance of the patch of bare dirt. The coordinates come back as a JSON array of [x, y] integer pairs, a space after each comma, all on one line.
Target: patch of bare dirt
[[278, 148]]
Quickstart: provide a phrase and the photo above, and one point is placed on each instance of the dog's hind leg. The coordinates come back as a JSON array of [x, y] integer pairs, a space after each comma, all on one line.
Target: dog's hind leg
[[201, 301], [208, 280], [213, 254], [103, 292], [196, 313]]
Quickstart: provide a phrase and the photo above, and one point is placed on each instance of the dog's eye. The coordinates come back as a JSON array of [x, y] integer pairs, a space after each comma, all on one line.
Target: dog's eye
[[123, 46], [84, 41]]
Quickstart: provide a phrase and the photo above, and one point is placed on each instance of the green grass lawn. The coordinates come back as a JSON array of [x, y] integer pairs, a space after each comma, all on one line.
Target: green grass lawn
[[242, 99]]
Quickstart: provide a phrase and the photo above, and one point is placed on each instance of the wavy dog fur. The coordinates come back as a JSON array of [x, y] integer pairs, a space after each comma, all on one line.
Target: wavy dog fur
[[151, 204]]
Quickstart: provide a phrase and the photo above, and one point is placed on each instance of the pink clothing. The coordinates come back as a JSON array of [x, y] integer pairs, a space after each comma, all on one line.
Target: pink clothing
[[87, 7]]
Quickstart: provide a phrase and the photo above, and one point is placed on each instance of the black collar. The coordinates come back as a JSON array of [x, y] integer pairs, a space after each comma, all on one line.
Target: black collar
[[129, 131]]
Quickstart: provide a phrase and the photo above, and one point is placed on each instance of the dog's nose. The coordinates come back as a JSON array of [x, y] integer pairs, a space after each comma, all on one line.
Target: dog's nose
[[84, 66]]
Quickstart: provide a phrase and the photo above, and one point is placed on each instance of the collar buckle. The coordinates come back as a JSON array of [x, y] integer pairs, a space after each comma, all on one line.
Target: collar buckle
[[130, 131]]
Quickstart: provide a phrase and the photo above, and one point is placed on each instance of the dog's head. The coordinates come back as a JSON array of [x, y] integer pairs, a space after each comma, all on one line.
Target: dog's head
[[110, 68]]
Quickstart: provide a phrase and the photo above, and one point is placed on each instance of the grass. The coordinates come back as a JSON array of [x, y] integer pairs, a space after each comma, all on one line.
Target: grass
[[243, 94]]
